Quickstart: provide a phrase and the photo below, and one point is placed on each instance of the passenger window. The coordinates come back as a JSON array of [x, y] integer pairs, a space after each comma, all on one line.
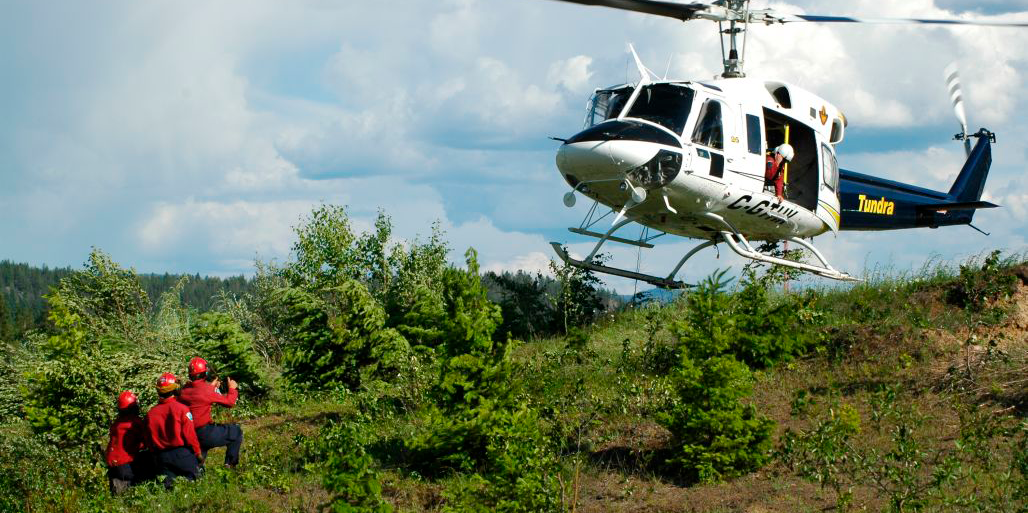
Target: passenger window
[[709, 130], [830, 168], [753, 139]]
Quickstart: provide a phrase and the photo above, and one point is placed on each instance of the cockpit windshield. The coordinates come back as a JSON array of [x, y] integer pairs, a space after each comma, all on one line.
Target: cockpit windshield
[[607, 104], [664, 104]]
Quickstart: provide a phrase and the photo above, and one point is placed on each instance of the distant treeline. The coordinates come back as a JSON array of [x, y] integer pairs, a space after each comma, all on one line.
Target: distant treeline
[[527, 299], [22, 287]]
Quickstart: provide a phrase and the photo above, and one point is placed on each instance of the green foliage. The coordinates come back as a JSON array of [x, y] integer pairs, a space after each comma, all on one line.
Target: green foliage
[[219, 339], [978, 287], [36, 475], [71, 397], [107, 299], [6, 322], [578, 301], [894, 455], [337, 337], [748, 324], [715, 435], [520, 472], [523, 302], [349, 473]]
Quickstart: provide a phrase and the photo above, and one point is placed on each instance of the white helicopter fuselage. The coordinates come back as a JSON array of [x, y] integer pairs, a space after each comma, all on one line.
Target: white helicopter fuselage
[[668, 154]]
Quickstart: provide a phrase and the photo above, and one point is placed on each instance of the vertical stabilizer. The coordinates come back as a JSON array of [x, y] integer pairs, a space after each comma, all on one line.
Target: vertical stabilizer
[[971, 180]]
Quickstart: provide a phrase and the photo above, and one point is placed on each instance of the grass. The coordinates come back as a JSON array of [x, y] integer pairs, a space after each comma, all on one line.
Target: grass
[[889, 335]]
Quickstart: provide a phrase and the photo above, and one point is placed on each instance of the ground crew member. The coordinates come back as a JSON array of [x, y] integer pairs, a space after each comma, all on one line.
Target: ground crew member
[[774, 170], [199, 394], [172, 434], [127, 464]]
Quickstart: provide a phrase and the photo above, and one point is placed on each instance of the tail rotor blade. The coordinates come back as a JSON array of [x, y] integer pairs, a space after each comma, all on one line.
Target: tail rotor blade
[[956, 96]]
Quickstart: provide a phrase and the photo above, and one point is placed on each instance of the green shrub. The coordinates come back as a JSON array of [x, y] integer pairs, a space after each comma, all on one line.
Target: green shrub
[[747, 324], [219, 339], [578, 301], [36, 475], [715, 435], [978, 287], [338, 337], [520, 474], [349, 473]]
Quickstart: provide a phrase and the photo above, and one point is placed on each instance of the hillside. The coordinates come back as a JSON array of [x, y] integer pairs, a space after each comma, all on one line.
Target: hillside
[[904, 393]]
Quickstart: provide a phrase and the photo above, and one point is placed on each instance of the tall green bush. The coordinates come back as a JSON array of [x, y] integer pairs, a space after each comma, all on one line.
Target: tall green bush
[[349, 473], [68, 392], [748, 324], [477, 425], [714, 434], [337, 337], [219, 339]]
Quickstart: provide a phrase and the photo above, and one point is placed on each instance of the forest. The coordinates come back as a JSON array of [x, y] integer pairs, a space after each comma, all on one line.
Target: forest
[[376, 376]]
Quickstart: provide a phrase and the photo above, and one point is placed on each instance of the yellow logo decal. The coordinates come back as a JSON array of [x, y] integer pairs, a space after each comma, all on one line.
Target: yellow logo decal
[[875, 206], [824, 115]]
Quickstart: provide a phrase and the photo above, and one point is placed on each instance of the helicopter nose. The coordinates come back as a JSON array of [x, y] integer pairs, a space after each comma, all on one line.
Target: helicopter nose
[[611, 149], [603, 160]]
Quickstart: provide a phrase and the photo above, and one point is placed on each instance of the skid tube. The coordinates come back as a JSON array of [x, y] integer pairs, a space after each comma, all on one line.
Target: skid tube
[[665, 283], [738, 244]]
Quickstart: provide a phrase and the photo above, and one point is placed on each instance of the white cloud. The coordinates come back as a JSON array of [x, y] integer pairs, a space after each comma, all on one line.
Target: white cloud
[[189, 137], [572, 74]]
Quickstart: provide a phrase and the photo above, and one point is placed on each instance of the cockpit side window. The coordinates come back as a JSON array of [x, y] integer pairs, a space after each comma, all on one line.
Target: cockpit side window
[[830, 168], [667, 105], [710, 129], [607, 104]]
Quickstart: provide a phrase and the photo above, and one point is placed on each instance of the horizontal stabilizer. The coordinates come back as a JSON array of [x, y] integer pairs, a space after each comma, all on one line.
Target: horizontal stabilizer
[[958, 205]]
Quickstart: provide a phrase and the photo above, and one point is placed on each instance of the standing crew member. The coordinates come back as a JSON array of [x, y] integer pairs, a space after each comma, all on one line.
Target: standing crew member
[[125, 465], [172, 434], [774, 172], [199, 395]]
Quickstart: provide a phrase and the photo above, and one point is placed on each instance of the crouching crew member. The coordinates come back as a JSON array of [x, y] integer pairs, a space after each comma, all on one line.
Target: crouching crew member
[[127, 462], [199, 394], [172, 434]]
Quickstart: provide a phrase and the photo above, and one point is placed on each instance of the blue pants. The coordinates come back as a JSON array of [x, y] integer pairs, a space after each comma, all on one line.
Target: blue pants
[[229, 436], [123, 476], [176, 462]]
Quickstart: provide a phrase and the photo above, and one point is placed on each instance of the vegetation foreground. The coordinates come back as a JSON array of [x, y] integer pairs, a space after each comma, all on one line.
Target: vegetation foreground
[[379, 378]]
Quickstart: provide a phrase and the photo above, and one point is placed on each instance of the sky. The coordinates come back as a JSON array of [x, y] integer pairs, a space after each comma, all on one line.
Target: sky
[[191, 137]]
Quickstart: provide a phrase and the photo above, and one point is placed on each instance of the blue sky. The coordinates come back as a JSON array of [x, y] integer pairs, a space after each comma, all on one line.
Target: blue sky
[[186, 136]]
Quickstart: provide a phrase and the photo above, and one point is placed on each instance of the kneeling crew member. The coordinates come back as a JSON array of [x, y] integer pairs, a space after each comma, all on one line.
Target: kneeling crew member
[[127, 465], [199, 395], [172, 434]]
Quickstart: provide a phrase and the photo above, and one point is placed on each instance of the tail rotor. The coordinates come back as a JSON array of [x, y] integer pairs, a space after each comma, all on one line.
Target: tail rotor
[[956, 96]]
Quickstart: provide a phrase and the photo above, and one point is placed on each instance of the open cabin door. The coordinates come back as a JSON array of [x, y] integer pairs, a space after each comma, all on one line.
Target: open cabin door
[[803, 174]]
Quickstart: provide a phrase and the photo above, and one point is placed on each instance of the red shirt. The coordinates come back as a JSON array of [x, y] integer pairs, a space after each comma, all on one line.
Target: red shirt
[[171, 426], [199, 395], [128, 437]]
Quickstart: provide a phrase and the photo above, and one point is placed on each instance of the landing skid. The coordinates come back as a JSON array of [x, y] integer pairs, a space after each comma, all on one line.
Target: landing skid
[[735, 240], [666, 283]]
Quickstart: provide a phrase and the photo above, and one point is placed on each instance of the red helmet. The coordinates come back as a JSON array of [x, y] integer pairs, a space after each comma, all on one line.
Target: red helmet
[[127, 399], [197, 366], [167, 383]]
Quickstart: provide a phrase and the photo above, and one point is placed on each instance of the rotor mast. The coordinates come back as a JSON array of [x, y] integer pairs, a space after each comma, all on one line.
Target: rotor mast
[[733, 62]]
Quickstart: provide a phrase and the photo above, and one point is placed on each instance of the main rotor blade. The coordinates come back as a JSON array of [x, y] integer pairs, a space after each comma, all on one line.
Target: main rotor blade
[[788, 18], [674, 10]]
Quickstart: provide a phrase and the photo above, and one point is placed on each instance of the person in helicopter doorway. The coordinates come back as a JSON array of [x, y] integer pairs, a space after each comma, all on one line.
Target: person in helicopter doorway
[[774, 172], [172, 434], [199, 394], [128, 461]]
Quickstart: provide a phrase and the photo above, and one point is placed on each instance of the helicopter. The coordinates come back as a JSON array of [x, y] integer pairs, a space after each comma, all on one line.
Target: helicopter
[[688, 157]]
